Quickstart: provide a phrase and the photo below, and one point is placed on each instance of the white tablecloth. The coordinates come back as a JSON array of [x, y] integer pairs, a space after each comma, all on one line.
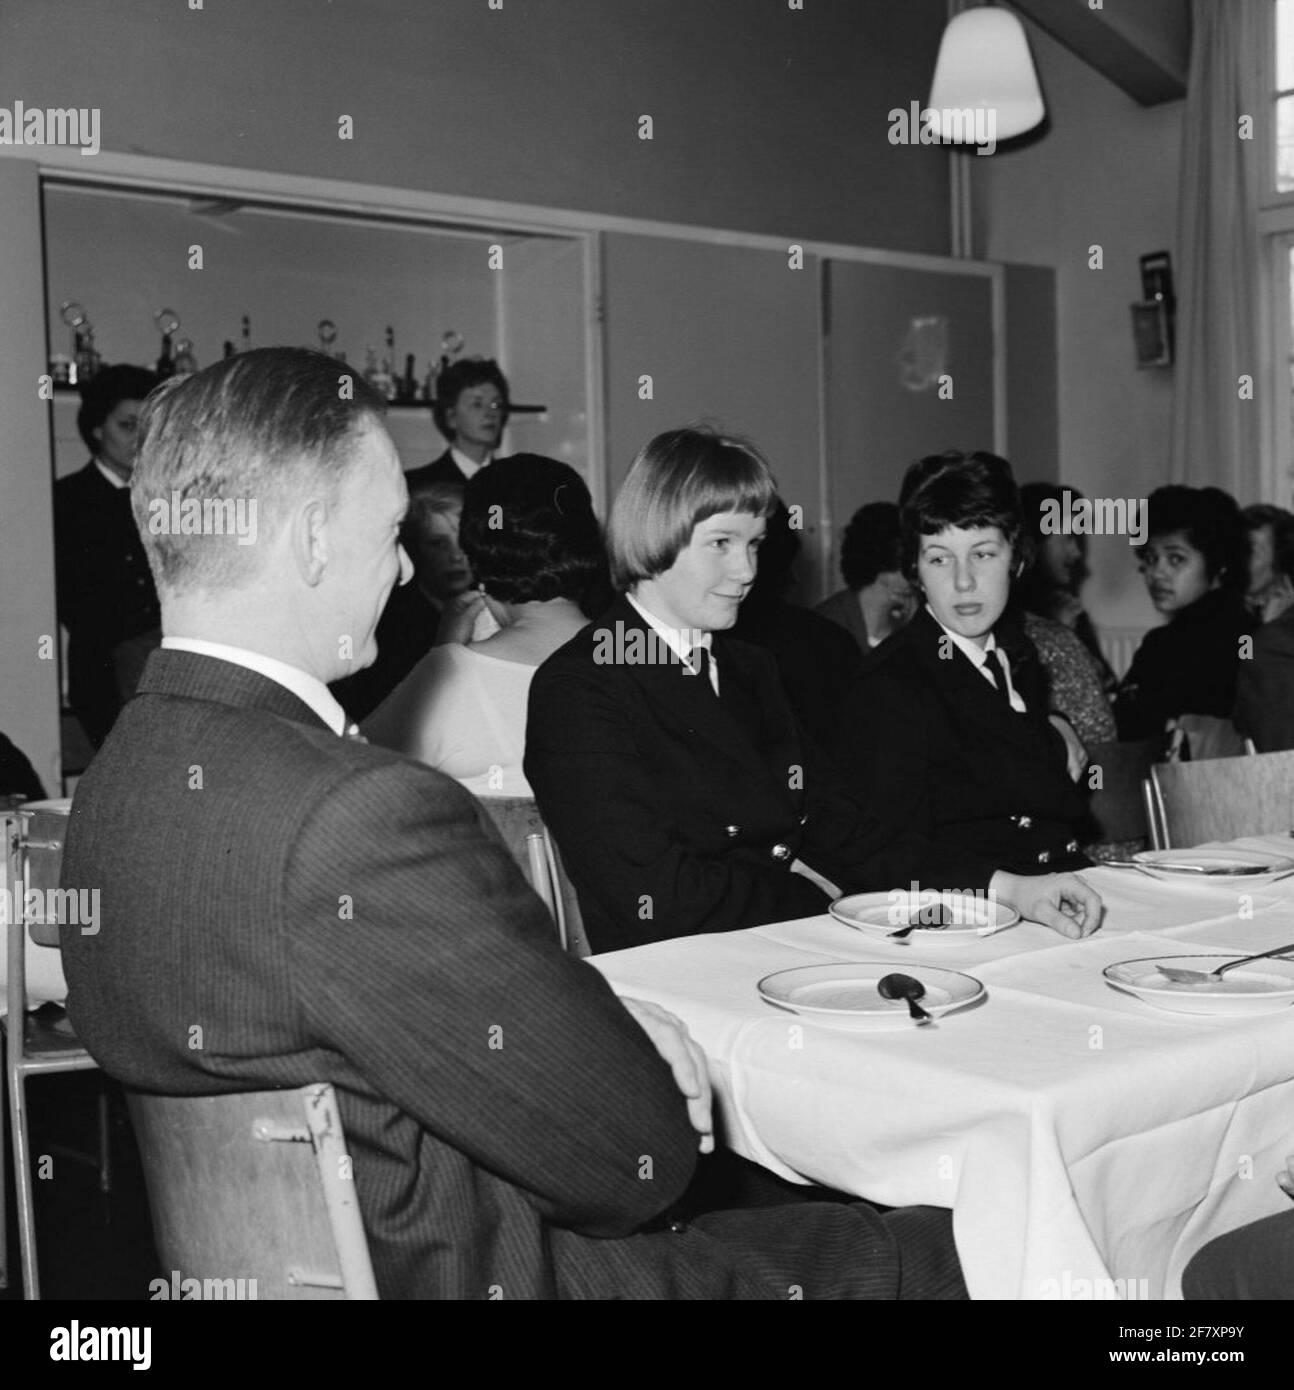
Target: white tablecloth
[[1087, 1143]]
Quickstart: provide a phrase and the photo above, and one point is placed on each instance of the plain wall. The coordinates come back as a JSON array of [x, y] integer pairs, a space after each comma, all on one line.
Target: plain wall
[[1104, 173], [765, 118]]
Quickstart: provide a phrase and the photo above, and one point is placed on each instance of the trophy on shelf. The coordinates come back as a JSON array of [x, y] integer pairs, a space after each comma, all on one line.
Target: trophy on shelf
[[451, 344], [327, 331], [185, 361], [85, 360], [167, 321]]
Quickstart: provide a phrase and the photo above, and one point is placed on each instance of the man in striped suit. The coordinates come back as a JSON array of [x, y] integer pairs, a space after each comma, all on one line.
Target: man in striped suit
[[282, 904]]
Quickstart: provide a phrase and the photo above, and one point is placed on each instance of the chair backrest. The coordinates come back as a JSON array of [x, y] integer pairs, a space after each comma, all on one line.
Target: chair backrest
[[253, 1187], [1208, 736], [1117, 805], [35, 905], [518, 821], [1223, 798]]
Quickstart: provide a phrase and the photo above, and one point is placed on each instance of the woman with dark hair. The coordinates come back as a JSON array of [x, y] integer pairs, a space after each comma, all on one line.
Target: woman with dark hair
[[106, 598], [665, 757], [877, 598], [948, 728], [1195, 564], [535, 548]]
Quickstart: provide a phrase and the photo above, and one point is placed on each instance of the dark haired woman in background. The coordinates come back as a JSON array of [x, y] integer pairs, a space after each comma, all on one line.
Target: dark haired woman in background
[[947, 730], [877, 599], [665, 757], [1195, 564], [535, 547], [106, 598]]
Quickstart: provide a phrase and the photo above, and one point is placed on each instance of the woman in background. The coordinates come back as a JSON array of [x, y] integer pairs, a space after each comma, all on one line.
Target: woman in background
[[535, 548], [877, 598], [1195, 565]]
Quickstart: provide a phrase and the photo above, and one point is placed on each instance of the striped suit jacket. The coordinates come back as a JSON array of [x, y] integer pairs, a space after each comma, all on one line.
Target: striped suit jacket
[[279, 906]]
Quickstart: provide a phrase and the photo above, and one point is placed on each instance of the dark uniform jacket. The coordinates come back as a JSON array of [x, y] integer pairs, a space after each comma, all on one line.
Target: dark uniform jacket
[[105, 590], [677, 812], [442, 469], [929, 744], [1265, 687], [1188, 666], [514, 1132]]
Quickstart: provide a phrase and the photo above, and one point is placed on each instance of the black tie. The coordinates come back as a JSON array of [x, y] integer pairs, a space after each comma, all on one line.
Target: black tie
[[700, 660], [1003, 689]]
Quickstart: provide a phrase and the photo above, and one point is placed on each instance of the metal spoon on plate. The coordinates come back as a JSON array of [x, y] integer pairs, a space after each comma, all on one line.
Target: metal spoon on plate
[[905, 987]]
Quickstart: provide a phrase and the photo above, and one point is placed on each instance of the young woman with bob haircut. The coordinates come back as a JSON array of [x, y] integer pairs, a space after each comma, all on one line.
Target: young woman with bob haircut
[[664, 756]]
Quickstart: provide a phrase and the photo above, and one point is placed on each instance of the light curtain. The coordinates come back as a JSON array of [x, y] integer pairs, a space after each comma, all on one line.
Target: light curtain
[[1217, 435]]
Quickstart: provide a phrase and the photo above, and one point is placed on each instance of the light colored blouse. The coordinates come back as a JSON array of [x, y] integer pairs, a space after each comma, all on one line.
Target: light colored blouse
[[463, 712]]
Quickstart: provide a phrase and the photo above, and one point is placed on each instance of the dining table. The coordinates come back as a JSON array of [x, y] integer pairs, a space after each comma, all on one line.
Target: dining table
[[1088, 1141]]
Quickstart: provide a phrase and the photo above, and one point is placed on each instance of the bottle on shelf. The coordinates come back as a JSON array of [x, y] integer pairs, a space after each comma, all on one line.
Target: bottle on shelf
[[185, 361], [85, 360], [247, 335], [167, 322]]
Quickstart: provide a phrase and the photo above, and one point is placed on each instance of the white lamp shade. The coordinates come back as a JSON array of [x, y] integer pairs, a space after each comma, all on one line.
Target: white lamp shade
[[984, 62]]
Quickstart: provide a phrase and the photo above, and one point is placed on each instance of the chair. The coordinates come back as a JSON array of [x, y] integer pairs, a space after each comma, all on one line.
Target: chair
[[1221, 799], [254, 1187], [1118, 806], [40, 1043], [526, 836], [1208, 736]]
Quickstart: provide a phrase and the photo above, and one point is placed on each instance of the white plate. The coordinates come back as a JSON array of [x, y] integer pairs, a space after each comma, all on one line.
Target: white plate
[[1180, 865], [847, 993], [1257, 988], [968, 916]]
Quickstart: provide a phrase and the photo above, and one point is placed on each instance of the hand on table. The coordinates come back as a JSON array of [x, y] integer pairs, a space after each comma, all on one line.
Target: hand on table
[[676, 1045], [1062, 902]]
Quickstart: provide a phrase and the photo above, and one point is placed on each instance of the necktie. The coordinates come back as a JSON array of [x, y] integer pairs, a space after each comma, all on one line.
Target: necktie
[[702, 660], [1000, 677]]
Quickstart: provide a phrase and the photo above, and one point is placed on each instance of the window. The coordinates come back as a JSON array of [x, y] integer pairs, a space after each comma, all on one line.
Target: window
[[1283, 98]]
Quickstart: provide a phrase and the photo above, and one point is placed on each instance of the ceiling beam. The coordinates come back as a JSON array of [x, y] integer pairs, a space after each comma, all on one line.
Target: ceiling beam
[[1142, 46]]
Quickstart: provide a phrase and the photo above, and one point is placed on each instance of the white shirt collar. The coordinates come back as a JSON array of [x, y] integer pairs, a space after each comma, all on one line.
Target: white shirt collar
[[467, 465], [307, 688], [979, 657], [682, 641], [977, 654], [107, 472]]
